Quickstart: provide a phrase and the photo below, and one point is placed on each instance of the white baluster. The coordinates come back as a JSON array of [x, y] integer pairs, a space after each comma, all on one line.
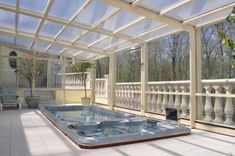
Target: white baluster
[[171, 99], [139, 98], [177, 100], [229, 108], [148, 99], [153, 102], [131, 96], [128, 96], [218, 108], [121, 95], [208, 105], [136, 96], [159, 100], [124, 96], [165, 99], [184, 104]]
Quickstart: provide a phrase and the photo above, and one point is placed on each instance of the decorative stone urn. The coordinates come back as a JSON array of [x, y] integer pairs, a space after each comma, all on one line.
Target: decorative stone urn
[[85, 100], [32, 102]]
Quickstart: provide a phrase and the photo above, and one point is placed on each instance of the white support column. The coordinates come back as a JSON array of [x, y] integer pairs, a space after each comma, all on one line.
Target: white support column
[[144, 76], [195, 74], [112, 81], [63, 78], [199, 105], [93, 77]]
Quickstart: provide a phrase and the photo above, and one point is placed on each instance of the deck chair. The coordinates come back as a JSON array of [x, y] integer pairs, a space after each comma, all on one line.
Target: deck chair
[[8, 98]]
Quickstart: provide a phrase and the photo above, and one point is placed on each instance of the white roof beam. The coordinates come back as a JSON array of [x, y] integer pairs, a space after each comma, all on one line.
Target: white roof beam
[[114, 45], [63, 51], [97, 41], [51, 41], [118, 30], [102, 20], [174, 6], [125, 48], [151, 30], [136, 2], [48, 47], [48, 8], [209, 13], [73, 18], [149, 14], [65, 22], [32, 44], [76, 54], [139, 35], [211, 22], [163, 35], [129, 25], [16, 17]]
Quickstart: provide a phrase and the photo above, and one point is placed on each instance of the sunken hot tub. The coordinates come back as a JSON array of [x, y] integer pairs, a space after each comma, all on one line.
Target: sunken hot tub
[[93, 127]]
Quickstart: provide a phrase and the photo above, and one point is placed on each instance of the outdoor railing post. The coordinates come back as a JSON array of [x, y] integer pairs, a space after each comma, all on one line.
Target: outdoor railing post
[[144, 76], [93, 84], [195, 74], [112, 80]]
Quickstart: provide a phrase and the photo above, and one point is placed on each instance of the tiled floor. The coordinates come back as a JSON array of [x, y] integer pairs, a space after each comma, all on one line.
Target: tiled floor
[[27, 132]]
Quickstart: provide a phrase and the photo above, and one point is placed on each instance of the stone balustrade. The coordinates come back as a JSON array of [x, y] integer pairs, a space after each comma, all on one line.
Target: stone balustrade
[[72, 82], [215, 102], [128, 95]]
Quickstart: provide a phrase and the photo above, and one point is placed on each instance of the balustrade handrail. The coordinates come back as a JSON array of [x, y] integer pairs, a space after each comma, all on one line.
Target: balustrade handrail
[[100, 79], [205, 81]]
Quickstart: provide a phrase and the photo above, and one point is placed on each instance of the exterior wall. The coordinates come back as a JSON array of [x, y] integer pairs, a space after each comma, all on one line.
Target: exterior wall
[[71, 96]]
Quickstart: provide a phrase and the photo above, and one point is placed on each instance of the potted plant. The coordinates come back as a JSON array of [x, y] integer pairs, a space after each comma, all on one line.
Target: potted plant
[[81, 73], [29, 71]]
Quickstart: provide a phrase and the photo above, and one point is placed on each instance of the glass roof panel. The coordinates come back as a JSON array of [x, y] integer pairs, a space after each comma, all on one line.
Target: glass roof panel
[[71, 52], [70, 33], [28, 24], [122, 46], [158, 5], [140, 27], [8, 2], [86, 55], [23, 42], [69, 8], [90, 37], [50, 29], [107, 42], [7, 19], [34, 5], [94, 12], [55, 48], [122, 18], [159, 33], [7, 39], [216, 16], [40, 45], [196, 7]]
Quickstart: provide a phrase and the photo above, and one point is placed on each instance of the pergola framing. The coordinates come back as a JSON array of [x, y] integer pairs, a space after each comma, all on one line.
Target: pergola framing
[[142, 13]]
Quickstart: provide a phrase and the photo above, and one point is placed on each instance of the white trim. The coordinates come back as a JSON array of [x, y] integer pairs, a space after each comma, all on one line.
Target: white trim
[[174, 6], [65, 22], [230, 5], [151, 30], [102, 20], [136, 2], [148, 14], [48, 7], [50, 41], [73, 18]]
